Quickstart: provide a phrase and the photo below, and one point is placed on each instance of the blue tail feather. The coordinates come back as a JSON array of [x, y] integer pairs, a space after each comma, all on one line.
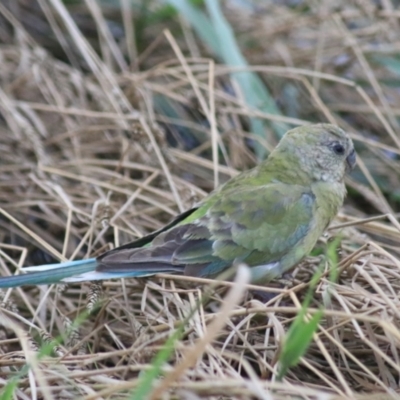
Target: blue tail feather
[[51, 273], [70, 271]]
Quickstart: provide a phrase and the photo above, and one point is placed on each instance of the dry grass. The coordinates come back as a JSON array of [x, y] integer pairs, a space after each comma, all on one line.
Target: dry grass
[[86, 165]]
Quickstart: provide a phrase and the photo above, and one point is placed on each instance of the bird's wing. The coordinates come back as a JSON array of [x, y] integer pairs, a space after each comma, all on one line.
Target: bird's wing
[[252, 224], [257, 225], [151, 252]]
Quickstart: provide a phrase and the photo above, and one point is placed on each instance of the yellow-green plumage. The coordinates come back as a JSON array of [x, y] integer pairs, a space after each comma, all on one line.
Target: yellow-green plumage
[[269, 217]]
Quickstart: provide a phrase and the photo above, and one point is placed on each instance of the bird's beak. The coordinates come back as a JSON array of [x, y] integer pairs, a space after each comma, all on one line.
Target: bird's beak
[[351, 160]]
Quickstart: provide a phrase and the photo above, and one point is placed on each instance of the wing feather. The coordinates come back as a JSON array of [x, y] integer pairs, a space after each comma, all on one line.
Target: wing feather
[[257, 225]]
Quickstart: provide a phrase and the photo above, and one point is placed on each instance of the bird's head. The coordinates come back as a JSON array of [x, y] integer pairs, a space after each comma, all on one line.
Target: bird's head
[[323, 151]]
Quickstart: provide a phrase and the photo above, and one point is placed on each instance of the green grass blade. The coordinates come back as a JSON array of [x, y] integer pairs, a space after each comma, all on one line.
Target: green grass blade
[[298, 340], [45, 350], [391, 63], [333, 258], [256, 93], [8, 392], [300, 333], [200, 22], [218, 35], [147, 380]]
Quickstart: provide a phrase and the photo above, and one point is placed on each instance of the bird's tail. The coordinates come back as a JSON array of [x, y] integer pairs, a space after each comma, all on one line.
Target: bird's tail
[[70, 271]]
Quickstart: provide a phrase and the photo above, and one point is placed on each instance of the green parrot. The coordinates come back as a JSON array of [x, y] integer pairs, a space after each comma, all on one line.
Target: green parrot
[[269, 217]]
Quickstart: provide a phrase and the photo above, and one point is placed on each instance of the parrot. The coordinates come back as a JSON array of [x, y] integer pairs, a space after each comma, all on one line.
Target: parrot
[[269, 217]]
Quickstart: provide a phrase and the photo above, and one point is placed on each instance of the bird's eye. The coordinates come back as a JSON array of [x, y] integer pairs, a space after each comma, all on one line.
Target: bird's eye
[[338, 149]]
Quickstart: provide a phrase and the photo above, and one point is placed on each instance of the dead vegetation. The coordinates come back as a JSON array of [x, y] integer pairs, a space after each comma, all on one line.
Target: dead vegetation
[[108, 146]]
